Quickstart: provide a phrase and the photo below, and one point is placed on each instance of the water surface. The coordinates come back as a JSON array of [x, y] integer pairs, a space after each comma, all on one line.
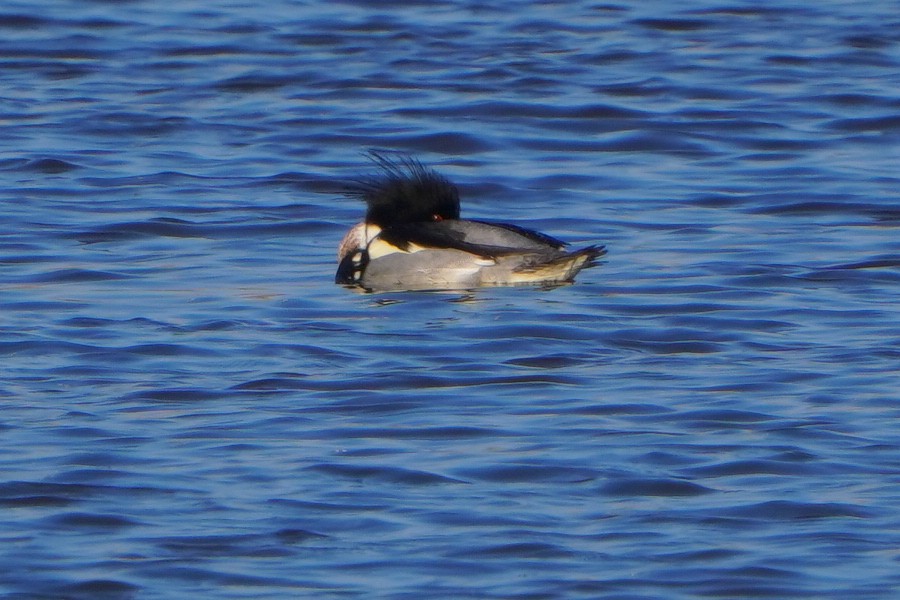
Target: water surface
[[191, 408]]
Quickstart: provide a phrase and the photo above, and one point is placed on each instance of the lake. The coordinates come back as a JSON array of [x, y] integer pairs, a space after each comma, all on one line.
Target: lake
[[192, 408]]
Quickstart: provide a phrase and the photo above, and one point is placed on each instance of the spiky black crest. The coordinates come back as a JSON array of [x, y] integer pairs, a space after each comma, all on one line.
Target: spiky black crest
[[405, 192]]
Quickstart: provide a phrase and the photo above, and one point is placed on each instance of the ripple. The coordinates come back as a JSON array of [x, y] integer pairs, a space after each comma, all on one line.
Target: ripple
[[530, 474], [21, 21], [447, 143], [75, 276], [164, 350], [179, 228], [256, 83], [674, 25], [100, 588], [50, 166], [92, 521], [550, 361], [672, 341], [754, 467], [783, 510], [249, 545], [523, 550], [385, 474], [426, 433], [198, 395], [653, 487], [882, 124]]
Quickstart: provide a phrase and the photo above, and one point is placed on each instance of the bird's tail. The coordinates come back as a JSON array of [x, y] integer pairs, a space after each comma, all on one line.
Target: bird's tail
[[563, 267]]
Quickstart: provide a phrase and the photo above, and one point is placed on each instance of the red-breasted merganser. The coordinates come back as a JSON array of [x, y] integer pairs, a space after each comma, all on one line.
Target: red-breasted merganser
[[413, 239]]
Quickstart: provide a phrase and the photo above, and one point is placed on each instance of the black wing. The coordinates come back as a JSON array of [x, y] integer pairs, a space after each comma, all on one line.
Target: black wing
[[535, 236], [460, 235]]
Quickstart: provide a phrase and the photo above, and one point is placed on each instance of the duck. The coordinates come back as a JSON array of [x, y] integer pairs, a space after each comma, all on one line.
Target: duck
[[413, 238]]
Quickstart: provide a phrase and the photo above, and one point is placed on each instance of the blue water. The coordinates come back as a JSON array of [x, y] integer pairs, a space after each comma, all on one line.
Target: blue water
[[192, 409]]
